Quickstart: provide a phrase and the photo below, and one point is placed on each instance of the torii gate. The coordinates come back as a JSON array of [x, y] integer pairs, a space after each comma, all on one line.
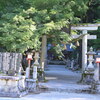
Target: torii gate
[[85, 29]]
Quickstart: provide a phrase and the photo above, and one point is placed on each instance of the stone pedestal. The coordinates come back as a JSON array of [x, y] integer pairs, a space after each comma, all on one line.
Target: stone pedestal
[[89, 77], [35, 73], [27, 72], [31, 85], [96, 73], [88, 74], [12, 86]]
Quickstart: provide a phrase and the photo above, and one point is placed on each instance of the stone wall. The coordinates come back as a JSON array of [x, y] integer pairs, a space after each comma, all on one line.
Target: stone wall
[[10, 61]]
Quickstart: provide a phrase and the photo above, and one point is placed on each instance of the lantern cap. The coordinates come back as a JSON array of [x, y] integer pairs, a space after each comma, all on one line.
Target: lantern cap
[[29, 56], [91, 49], [91, 52]]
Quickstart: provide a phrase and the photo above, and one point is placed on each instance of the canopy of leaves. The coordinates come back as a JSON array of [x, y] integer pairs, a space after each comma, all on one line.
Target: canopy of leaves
[[25, 21], [93, 15], [16, 32]]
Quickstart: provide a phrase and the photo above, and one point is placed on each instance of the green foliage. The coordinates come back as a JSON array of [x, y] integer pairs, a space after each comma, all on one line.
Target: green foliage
[[93, 15], [16, 32], [95, 43], [11, 5], [25, 21]]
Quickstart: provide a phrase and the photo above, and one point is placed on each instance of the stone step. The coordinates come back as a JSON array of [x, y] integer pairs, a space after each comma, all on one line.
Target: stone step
[[70, 90], [57, 62]]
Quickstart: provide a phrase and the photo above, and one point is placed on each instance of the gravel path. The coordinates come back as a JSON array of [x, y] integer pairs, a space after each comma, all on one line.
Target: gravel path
[[61, 78]]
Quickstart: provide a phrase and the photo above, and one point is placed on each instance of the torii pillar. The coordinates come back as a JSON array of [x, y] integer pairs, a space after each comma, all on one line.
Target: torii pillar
[[43, 52], [84, 50], [85, 29]]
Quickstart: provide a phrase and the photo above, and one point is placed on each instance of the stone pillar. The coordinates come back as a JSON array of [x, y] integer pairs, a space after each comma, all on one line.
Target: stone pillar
[[36, 64], [19, 73], [43, 52], [27, 72], [29, 58], [84, 50], [35, 73], [72, 64], [96, 73]]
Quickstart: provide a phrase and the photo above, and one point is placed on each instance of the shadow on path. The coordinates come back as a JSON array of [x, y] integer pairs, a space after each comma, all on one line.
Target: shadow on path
[[60, 78]]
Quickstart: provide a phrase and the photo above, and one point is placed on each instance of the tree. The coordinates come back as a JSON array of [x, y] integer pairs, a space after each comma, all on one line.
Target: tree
[[93, 15], [93, 12], [16, 32], [23, 28]]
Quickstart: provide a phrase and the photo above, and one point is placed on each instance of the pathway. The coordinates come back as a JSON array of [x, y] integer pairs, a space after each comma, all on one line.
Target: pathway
[[60, 78]]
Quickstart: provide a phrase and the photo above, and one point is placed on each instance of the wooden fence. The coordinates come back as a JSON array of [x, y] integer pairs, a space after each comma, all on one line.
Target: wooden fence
[[10, 61]]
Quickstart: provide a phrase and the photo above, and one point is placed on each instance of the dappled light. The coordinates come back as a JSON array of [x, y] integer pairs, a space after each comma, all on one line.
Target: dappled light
[[49, 49]]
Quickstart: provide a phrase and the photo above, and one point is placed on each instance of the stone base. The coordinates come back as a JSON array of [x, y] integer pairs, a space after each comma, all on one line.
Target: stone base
[[31, 85], [41, 76], [13, 95], [87, 78], [11, 86]]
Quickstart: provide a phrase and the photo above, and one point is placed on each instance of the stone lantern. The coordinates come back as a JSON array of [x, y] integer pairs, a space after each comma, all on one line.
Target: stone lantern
[[90, 55], [31, 82], [89, 71]]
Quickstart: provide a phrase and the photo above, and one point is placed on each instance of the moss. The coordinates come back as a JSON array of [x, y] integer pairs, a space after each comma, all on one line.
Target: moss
[[45, 80], [37, 81], [3, 74], [82, 78], [40, 72]]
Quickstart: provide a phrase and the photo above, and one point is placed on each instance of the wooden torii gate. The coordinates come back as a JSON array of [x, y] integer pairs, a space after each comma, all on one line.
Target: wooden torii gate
[[86, 36]]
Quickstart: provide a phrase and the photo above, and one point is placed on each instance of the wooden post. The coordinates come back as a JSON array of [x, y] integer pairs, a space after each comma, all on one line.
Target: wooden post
[[43, 52]]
